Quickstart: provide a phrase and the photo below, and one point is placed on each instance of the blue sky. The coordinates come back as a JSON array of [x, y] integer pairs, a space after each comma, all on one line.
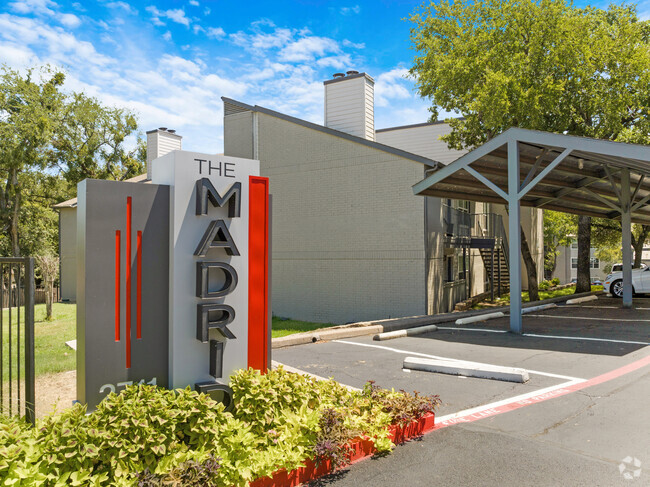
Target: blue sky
[[170, 62]]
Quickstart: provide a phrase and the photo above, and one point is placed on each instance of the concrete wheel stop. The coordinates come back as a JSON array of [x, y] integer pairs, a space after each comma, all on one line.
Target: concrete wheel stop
[[467, 369]]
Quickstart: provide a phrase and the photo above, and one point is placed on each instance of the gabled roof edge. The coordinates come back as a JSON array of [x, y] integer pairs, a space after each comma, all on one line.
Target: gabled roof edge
[[376, 145]]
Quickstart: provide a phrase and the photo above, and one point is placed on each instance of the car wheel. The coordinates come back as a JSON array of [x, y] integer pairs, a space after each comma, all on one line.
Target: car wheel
[[617, 289]]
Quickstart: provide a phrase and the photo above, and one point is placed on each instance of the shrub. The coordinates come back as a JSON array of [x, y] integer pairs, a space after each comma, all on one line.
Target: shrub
[[402, 407], [544, 285], [555, 281], [151, 436]]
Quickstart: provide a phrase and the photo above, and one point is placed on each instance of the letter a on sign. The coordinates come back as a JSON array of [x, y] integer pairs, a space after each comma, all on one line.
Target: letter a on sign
[[216, 236]]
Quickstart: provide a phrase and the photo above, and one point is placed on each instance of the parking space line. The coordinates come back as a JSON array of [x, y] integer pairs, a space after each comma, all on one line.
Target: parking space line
[[533, 335], [487, 330], [589, 318], [510, 400], [608, 340], [407, 352]]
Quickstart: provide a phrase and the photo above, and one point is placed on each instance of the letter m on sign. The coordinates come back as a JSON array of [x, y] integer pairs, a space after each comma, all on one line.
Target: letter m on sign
[[205, 192]]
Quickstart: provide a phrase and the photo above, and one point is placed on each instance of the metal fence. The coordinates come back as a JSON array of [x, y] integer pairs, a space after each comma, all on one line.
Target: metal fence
[[17, 336], [19, 295]]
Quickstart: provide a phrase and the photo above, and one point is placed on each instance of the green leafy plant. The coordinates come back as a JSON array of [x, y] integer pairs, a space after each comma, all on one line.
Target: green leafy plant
[[555, 281], [188, 474], [402, 407], [149, 436]]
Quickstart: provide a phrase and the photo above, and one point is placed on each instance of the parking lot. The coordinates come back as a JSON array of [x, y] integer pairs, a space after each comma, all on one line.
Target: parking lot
[[583, 412]]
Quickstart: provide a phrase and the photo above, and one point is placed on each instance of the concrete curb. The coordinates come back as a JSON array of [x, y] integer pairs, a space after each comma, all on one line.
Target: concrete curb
[[584, 299], [405, 333], [542, 307], [467, 369], [392, 324], [474, 319]]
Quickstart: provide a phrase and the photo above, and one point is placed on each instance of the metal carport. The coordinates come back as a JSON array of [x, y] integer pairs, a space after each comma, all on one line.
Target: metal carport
[[552, 171]]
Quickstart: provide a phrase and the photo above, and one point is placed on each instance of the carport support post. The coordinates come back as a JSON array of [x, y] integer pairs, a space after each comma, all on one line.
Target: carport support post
[[626, 227], [514, 236]]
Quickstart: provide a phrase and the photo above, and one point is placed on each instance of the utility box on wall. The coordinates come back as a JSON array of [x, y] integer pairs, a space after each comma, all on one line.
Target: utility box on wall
[[173, 277]]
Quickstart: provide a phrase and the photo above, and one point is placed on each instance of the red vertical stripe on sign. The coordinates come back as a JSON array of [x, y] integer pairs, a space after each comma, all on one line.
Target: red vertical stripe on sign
[[128, 282], [139, 287], [258, 273], [117, 285]]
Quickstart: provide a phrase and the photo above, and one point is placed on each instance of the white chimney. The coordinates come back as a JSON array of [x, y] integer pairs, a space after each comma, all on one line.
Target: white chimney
[[350, 104], [160, 142]]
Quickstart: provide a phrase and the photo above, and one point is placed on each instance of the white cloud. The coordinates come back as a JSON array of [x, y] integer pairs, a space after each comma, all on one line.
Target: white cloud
[[207, 11], [178, 15], [44, 8], [59, 46], [277, 67], [308, 48], [123, 6], [262, 41], [32, 6], [354, 45], [194, 3], [391, 85], [341, 62], [350, 10], [175, 15], [216, 32], [69, 20]]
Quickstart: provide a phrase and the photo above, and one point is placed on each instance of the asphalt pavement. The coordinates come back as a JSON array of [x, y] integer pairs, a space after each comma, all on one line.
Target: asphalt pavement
[[581, 419]]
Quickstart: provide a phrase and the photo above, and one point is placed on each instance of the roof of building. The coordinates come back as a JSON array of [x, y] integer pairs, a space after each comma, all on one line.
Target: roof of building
[[72, 203], [233, 106]]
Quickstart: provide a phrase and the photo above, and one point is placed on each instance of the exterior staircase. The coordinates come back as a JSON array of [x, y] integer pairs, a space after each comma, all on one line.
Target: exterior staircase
[[497, 270], [492, 243]]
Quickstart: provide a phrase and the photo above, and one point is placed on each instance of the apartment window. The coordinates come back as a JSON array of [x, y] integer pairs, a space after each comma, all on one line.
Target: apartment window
[[449, 269], [574, 245], [461, 266], [594, 263], [463, 205]]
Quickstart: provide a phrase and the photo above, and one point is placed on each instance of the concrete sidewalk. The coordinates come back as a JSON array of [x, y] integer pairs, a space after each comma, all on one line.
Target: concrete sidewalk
[[380, 326]]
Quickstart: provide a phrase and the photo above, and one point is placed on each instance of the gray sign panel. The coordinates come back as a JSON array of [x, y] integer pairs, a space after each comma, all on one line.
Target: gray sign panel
[[123, 287]]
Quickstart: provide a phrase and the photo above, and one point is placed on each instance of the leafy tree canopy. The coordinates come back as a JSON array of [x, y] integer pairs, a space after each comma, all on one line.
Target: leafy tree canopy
[[543, 65], [49, 141]]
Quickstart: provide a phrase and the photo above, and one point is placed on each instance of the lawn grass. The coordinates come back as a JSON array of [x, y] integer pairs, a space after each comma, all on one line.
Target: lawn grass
[[504, 300], [50, 351], [282, 326]]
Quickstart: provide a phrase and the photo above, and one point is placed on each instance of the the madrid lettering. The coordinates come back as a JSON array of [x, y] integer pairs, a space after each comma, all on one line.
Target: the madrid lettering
[[212, 315]]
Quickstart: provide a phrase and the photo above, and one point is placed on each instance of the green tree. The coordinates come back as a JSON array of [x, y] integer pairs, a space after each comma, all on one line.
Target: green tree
[[607, 235], [543, 65], [49, 141], [559, 230], [90, 142], [29, 111]]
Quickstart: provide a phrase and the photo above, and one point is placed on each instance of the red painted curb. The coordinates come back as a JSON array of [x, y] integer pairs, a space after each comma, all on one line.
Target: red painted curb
[[360, 448]]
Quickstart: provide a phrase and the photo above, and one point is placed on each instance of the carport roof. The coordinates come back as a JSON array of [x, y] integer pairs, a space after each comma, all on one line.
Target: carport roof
[[557, 172]]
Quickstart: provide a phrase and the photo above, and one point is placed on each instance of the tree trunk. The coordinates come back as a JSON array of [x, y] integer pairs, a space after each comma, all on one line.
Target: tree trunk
[[531, 268], [584, 254], [49, 298], [638, 243]]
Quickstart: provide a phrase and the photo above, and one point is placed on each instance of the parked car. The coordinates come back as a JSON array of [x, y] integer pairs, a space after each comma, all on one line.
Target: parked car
[[596, 282], [619, 267], [640, 282]]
